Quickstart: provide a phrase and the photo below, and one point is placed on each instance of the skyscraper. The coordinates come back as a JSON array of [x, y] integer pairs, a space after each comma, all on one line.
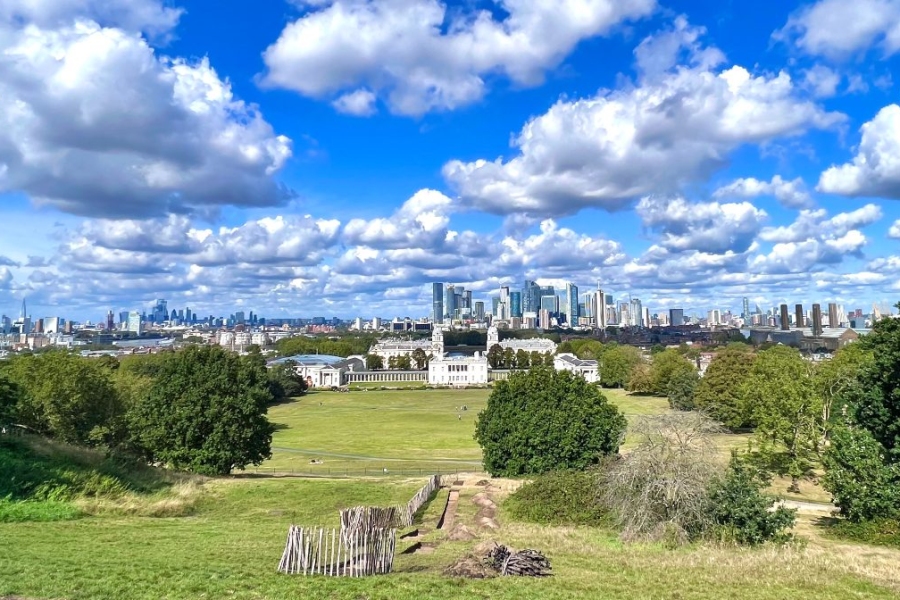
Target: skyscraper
[[799, 321], [637, 313], [746, 310], [571, 304], [598, 309], [134, 322], [449, 301], [676, 317], [479, 310], [437, 302], [531, 297], [515, 304], [785, 318]]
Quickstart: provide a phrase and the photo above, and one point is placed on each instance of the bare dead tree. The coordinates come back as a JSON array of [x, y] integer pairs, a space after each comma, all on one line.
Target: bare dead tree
[[659, 490]]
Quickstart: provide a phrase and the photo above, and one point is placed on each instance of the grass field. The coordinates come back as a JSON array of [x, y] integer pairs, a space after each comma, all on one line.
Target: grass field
[[229, 533]]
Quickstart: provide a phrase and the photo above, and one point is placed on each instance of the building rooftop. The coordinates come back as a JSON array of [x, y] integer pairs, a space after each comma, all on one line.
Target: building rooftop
[[309, 359]]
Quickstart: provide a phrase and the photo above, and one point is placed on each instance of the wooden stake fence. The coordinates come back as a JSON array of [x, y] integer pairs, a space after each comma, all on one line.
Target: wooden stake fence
[[320, 551]]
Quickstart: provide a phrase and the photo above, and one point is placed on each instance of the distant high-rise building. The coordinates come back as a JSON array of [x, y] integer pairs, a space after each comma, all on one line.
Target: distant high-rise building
[[833, 319], [785, 318], [160, 311], [479, 310], [571, 308], [816, 320], [544, 318], [714, 317], [515, 304], [110, 320], [676, 317], [123, 318], [449, 301], [550, 304], [637, 313], [67, 328], [5, 325], [598, 309], [746, 309], [799, 320], [495, 305], [53, 325], [531, 297], [134, 322], [437, 302]]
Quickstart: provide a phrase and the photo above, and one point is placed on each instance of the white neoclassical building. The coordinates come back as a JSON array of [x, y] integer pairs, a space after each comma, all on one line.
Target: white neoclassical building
[[393, 348], [541, 345], [569, 362], [458, 370]]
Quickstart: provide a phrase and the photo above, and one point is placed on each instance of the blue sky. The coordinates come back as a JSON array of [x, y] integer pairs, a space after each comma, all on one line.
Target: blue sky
[[332, 157]]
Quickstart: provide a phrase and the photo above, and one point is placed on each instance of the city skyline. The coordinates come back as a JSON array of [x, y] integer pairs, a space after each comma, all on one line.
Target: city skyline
[[682, 154]]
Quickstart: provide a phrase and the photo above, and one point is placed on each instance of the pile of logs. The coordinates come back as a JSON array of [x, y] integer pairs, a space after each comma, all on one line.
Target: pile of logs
[[528, 563]]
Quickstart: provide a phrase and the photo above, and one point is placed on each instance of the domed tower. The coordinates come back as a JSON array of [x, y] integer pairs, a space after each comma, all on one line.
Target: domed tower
[[493, 337], [437, 342]]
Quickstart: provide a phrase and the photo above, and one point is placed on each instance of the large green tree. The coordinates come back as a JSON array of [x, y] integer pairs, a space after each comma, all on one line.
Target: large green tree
[[680, 390], [205, 412], [665, 366], [617, 363], [544, 420], [284, 382], [66, 397], [495, 356], [9, 399], [420, 358], [718, 393], [787, 410]]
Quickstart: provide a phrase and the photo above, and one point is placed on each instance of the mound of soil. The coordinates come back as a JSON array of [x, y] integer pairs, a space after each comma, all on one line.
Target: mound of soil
[[470, 567]]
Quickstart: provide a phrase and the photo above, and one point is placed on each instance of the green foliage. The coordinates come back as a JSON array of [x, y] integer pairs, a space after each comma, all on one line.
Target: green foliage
[[680, 389], [882, 532], [31, 511], [345, 346], [284, 382], [787, 410], [617, 364], [495, 356], [66, 397], [875, 401], [374, 362], [420, 358], [523, 360], [718, 392], [206, 413], [9, 399], [559, 498], [640, 380], [546, 420], [835, 379], [665, 366], [742, 512], [864, 485]]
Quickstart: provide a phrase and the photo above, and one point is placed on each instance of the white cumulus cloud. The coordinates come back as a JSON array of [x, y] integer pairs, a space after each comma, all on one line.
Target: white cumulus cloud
[[792, 194], [841, 28]]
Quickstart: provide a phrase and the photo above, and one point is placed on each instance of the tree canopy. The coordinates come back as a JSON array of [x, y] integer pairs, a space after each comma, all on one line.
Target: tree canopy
[[665, 366], [718, 393], [206, 412], [543, 420]]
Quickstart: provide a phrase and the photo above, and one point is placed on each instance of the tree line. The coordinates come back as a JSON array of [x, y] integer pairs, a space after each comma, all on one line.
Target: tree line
[[201, 409]]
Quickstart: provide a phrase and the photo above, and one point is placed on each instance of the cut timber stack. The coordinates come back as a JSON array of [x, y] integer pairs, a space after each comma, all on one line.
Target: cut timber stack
[[528, 563]]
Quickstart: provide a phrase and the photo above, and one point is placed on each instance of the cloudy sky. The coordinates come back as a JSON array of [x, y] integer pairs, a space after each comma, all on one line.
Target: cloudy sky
[[332, 157]]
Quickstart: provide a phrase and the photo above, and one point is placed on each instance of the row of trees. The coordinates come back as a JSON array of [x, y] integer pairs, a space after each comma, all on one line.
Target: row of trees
[[201, 409], [507, 358]]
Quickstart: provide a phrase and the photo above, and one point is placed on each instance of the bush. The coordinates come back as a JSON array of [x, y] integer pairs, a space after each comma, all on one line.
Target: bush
[[559, 498], [741, 512], [16, 512], [864, 486], [546, 420], [883, 532]]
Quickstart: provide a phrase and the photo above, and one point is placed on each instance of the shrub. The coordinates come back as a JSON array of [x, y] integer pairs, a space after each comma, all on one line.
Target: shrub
[[16, 512], [546, 420], [741, 512], [883, 532], [559, 498]]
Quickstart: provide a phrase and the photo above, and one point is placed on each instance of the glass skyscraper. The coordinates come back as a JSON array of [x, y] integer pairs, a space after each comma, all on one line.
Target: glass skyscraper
[[437, 302]]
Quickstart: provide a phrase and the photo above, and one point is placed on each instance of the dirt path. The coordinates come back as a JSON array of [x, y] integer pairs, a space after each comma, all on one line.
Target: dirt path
[[449, 518]]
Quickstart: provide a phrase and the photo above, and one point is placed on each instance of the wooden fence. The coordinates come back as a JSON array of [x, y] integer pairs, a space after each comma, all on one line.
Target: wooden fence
[[408, 512], [321, 551]]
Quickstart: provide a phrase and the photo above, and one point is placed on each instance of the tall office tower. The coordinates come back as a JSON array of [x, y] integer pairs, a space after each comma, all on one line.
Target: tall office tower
[[467, 300], [571, 304], [544, 318], [676, 317], [134, 322], [160, 311], [799, 321], [646, 316], [5, 325], [123, 318], [637, 313], [531, 296], [746, 308], [188, 316], [515, 304], [437, 302], [24, 310], [816, 320], [67, 328], [550, 304], [479, 310], [713, 317], [785, 318], [449, 301], [623, 316], [598, 309], [495, 305], [833, 319], [504, 300]]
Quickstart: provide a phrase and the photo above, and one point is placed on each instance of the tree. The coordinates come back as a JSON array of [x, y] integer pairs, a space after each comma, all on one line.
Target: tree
[[680, 390], [374, 362], [718, 392], [875, 402], [542, 420], [403, 362], [665, 366], [420, 358], [548, 359], [787, 410], [523, 360], [392, 362], [659, 490], [640, 382], [284, 382], [66, 397], [509, 358], [495, 356], [205, 413], [864, 485], [9, 398], [617, 363], [834, 379]]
